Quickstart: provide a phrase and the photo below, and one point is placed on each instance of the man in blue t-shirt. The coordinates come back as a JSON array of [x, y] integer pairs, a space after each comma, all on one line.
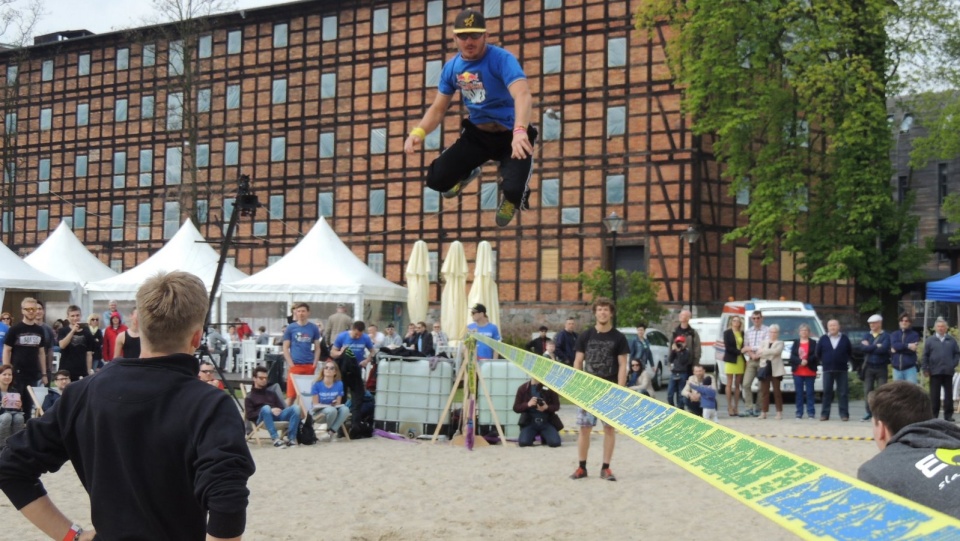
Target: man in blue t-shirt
[[301, 348], [495, 92], [348, 349], [482, 325]]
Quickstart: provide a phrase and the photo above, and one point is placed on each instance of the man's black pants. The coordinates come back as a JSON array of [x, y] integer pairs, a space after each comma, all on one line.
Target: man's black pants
[[352, 376], [945, 382]]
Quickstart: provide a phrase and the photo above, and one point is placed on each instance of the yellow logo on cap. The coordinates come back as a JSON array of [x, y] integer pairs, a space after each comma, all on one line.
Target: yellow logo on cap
[[468, 22]]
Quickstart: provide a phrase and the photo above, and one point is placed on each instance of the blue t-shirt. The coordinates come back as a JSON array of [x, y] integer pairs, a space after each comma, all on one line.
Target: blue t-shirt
[[484, 84], [3, 331], [484, 351], [301, 339], [358, 345], [325, 394]]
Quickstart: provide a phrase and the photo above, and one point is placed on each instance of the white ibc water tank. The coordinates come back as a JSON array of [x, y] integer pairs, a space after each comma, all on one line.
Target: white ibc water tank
[[502, 379], [410, 396]]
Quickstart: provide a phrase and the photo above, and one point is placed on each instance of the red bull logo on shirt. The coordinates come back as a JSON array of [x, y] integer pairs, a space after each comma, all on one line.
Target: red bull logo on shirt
[[471, 87]]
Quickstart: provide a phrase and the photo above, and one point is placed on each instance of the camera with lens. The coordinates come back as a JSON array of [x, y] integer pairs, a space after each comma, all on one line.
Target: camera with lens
[[540, 402]]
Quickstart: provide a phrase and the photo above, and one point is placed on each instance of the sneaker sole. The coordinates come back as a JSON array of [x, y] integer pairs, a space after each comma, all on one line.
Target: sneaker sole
[[458, 189]]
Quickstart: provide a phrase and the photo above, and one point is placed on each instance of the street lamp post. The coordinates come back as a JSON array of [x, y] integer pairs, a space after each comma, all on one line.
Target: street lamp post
[[692, 235], [614, 223]]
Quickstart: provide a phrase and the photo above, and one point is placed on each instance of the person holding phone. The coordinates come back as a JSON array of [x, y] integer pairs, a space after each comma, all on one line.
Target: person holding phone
[[76, 346]]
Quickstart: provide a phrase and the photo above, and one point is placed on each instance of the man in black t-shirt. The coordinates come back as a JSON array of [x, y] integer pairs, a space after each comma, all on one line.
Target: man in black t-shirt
[[25, 347], [76, 346], [601, 351]]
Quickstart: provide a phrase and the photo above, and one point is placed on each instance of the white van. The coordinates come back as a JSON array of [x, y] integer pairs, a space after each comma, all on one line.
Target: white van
[[708, 329], [788, 315]]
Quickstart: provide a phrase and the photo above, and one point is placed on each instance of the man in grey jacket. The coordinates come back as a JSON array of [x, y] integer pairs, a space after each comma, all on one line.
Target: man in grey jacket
[[919, 454], [940, 357]]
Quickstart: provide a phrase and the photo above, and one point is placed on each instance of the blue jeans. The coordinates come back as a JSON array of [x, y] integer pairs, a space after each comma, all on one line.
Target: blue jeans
[[333, 416], [548, 434], [843, 390], [677, 381], [290, 415], [910, 374], [803, 385]]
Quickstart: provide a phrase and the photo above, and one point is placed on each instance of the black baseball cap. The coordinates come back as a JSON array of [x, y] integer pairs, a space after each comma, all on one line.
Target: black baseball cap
[[469, 20], [479, 308]]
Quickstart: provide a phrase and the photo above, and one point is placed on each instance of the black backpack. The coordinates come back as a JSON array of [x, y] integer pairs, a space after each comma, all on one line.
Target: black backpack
[[306, 435]]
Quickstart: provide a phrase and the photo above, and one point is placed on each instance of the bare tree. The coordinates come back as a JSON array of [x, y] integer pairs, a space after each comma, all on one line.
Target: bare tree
[[18, 20]]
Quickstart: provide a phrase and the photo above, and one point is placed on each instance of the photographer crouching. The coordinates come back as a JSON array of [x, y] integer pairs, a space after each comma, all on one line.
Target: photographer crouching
[[538, 406]]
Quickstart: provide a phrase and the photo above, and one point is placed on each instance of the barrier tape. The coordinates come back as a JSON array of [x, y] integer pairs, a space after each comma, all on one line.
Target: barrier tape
[[801, 496]]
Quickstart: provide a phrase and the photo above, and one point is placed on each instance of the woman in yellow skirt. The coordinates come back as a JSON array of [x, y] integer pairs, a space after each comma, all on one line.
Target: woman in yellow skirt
[[735, 362]]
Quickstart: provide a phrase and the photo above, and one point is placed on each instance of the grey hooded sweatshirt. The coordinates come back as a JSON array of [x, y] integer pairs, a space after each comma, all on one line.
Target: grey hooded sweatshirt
[[920, 463]]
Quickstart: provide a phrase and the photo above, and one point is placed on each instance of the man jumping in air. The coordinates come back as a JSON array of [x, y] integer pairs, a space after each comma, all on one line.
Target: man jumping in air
[[497, 96]]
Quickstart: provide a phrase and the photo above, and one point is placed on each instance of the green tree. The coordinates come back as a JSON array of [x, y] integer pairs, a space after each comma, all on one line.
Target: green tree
[[636, 293], [793, 95]]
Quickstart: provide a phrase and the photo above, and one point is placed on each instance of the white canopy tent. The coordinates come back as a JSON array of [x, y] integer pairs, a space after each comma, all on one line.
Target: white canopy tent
[[64, 256], [187, 251], [17, 274], [320, 269]]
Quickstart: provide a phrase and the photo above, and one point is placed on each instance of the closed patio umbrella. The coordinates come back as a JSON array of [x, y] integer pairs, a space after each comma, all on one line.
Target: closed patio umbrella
[[484, 288], [453, 301], [418, 282]]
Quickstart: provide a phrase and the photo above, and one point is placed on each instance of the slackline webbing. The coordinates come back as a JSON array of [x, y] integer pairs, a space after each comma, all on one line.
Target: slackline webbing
[[803, 497]]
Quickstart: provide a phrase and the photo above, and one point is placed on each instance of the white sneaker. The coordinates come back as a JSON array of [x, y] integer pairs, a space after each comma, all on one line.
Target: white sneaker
[[279, 444], [324, 437]]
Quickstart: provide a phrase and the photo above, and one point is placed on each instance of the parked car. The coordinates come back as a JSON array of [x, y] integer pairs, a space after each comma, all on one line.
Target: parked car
[[659, 349], [789, 315], [708, 329]]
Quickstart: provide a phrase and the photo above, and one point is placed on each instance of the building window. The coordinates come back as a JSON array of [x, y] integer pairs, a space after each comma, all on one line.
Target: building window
[[488, 196], [431, 200], [378, 202], [278, 149], [173, 170], [149, 55], [80, 165], [280, 35], [146, 107], [942, 182], [83, 64], [328, 85], [202, 157], [743, 194], [43, 172], [46, 119], [329, 32], [378, 80], [375, 262], [552, 4], [551, 128], [43, 220], [943, 227], [327, 144], [381, 20], [116, 219], [204, 96], [83, 114], [378, 141], [202, 209], [116, 265], [175, 58], [570, 215], [10, 123], [276, 207], [143, 221], [259, 229], [902, 188], [7, 221], [432, 142], [205, 46], [227, 209], [279, 94], [46, 70], [550, 192], [12, 72], [119, 169], [79, 217], [120, 110], [234, 42], [231, 153], [175, 111], [325, 203], [616, 52], [435, 13], [9, 172], [146, 167], [43, 187], [171, 218], [615, 189], [433, 263], [491, 8], [552, 59], [616, 120], [233, 96], [550, 264], [434, 67], [123, 59]]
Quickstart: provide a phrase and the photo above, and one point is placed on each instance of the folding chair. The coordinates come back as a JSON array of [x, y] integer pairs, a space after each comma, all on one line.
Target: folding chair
[[304, 388], [248, 358], [282, 426], [38, 394]]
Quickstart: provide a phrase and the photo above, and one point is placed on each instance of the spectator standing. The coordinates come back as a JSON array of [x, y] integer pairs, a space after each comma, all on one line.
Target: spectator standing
[[5, 322], [940, 357], [110, 337], [96, 333], [301, 348], [566, 341], [354, 351], [76, 346], [640, 347], [24, 349], [601, 351], [876, 351], [551, 351], [483, 326], [539, 344], [128, 342], [537, 406], [757, 334], [833, 352], [111, 309], [243, 330], [679, 362], [337, 323], [218, 346], [903, 347], [803, 366], [770, 354], [692, 338], [734, 364]]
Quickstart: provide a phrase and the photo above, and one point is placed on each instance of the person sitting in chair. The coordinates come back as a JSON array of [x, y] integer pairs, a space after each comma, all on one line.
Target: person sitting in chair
[[263, 405], [62, 379], [537, 406], [328, 406]]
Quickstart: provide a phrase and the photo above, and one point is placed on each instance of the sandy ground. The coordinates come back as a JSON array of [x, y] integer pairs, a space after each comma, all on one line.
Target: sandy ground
[[379, 489]]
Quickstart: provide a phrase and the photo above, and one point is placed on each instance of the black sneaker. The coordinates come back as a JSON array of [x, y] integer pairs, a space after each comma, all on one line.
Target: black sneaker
[[458, 188], [278, 444]]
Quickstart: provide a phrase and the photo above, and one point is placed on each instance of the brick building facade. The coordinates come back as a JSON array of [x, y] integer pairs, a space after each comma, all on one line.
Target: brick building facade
[[313, 101]]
